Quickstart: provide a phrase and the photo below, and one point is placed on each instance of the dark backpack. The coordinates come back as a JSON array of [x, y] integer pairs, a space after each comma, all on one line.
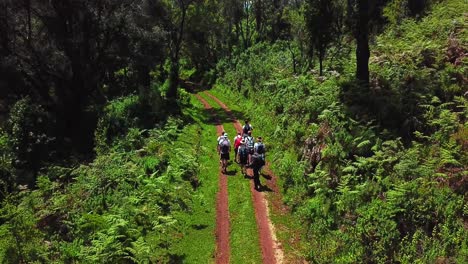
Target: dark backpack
[[243, 153], [260, 148], [224, 146], [257, 161], [246, 129]]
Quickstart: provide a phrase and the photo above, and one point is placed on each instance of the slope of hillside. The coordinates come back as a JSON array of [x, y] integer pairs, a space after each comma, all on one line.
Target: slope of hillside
[[378, 174]]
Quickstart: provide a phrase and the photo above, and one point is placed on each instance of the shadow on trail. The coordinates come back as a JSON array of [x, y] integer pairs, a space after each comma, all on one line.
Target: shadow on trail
[[266, 176], [222, 116], [212, 116], [264, 188], [230, 173]]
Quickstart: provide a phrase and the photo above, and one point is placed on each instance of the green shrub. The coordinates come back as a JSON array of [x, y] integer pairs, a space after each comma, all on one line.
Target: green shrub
[[20, 239], [7, 176], [28, 128], [119, 116]]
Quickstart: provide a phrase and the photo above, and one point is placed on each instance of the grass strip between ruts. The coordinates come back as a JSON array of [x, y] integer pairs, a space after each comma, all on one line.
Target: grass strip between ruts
[[244, 240]]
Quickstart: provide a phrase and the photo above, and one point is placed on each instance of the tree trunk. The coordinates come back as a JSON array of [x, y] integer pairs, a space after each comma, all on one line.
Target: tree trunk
[[144, 79], [362, 40], [4, 31], [173, 78], [175, 53], [27, 4], [293, 57], [321, 65], [258, 16]]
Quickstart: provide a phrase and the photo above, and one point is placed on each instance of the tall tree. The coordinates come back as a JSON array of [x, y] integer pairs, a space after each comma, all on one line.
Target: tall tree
[[179, 12], [62, 54], [362, 41], [322, 26], [358, 19]]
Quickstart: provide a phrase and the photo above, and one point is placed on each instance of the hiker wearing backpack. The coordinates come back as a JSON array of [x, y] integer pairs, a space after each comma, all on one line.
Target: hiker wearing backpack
[[249, 142], [256, 164], [220, 137], [224, 147], [237, 142], [243, 156], [246, 128], [259, 148]]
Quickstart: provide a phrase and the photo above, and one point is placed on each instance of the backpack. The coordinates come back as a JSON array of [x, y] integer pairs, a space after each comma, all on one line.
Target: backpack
[[249, 142], [243, 153], [257, 161], [260, 148], [237, 142], [224, 146], [246, 129]]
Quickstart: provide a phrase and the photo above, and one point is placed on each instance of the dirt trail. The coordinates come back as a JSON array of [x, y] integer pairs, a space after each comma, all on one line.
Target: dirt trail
[[271, 248], [222, 207]]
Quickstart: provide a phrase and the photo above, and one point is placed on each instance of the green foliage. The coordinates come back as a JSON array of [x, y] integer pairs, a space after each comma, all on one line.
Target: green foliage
[[376, 174], [386, 182], [118, 117], [324, 26], [20, 240], [7, 175], [123, 116], [124, 206], [28, 126]]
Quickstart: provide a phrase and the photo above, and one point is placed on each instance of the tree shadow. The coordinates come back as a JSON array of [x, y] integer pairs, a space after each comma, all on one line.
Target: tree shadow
[[176, 258], [213, 116], [230, 172], [220, 116], [199, 226]]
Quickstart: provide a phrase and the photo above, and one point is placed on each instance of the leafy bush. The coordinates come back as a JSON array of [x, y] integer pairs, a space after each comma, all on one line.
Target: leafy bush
[[125, 206], [28, 127], [119, 116]]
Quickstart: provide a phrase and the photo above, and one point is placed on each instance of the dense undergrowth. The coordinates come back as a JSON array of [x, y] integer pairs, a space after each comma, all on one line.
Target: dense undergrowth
[[127, 206], [378, 174]]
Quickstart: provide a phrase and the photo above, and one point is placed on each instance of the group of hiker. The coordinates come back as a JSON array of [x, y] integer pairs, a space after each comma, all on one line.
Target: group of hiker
[[248, 152]]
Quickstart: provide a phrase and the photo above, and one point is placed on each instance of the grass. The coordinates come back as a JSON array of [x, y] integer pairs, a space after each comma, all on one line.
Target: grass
[[244, 240], [198, 245]]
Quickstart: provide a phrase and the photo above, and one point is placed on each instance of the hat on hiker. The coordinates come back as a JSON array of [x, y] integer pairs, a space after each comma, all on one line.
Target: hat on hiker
[[243, 141], [225, 135]]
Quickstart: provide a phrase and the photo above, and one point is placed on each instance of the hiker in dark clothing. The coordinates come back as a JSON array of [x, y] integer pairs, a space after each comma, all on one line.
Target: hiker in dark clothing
[[246, 128], [256, 164]]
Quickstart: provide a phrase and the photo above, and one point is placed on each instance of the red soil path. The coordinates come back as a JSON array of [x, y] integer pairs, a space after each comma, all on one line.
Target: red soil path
[[271, 250], [222, 208]]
